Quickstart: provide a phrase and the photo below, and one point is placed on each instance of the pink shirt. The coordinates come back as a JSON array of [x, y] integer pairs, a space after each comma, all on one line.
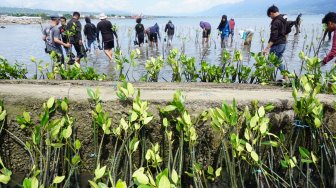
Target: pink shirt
[[332, 52]]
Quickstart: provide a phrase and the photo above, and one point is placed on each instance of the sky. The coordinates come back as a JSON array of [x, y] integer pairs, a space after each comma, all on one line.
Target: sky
[[147, 7]]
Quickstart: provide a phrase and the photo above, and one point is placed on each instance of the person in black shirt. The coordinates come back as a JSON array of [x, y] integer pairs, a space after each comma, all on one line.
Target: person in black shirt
[[277, 41], [105, 27], [170, 29], [75, 28], [62, 29], [90, 32], [139, 32]]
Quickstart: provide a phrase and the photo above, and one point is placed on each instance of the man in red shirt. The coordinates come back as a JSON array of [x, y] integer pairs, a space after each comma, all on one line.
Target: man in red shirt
[[330, 21]]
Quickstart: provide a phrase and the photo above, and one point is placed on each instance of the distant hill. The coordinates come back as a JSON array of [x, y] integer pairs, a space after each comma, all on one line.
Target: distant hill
[[259, 7], [11, 10]]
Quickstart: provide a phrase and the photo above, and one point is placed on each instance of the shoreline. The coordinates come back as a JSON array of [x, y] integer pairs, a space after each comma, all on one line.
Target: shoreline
[[24, 20]]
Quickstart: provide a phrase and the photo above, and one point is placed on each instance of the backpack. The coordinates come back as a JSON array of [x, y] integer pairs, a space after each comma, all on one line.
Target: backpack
[[171, 26], [289, 25], [49, 39]]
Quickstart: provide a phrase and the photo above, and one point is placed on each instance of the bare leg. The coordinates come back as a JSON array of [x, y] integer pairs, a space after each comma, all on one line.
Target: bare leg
[[109, 54]]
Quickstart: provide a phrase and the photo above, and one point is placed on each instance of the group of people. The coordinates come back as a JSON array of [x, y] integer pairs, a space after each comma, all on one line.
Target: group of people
[[153, 33], [69, 34], [280, 28], [225, 30]]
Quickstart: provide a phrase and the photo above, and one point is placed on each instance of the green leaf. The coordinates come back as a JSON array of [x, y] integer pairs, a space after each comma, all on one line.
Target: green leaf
[[136, 145], [136, 107], [67, 132], [304, 153], [91, 93], [141, 177], [121, 184], [218, 172], [254, 121], [99, 172], [254, 156], [3, 115], [248, 147], [263, 128], [147, 120], [64, 106], [261, 111], [4, 179], [34, 182], [77, 144], [314, 158], [99, 108], [123, 124], [93, 184], [134, 116], [186, 118], [26, 116], [169, 108], [75, 160], [317, 122], [210, 170], [50, 102], [130, 88], [164, 182], [284, 164], [308, 161], [174, 177], [58, 179]]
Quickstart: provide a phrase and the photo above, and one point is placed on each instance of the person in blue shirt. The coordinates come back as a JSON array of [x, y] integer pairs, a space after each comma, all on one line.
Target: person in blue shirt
[[224, 30], [154, 35]]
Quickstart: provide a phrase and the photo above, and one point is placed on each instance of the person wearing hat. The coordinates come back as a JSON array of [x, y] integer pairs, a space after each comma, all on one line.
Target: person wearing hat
[[105, 28], [75, 27], [170, 30], [52, 38]]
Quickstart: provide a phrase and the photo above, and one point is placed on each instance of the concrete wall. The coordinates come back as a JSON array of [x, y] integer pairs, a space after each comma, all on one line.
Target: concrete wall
[[29, 96]]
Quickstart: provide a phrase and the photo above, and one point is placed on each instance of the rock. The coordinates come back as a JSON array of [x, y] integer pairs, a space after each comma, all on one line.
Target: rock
[[19, 20], [2, 27]]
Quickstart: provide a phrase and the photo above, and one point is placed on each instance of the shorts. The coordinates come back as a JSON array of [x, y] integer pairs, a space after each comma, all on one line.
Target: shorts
[[108, 45], [141, 38], [153, 37], [206, 33]]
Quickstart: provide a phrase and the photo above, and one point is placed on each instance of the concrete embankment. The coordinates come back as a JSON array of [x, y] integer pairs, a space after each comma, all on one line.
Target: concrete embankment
[[29, 96]]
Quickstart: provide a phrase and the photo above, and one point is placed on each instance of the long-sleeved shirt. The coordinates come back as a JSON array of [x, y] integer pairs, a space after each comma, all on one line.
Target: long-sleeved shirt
[[278, 30], [225, 31], [155, 29], [332, 52], [76, 27], [105, 27], [90, 31], [205, 25]]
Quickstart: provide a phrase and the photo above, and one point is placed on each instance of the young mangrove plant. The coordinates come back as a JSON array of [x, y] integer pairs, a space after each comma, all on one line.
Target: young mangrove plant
[[53, 148], [153, 67], [5, 174], [175, 64], [8, 71]]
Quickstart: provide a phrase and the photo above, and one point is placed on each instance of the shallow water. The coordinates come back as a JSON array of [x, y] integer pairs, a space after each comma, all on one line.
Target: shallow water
[[20, 42]]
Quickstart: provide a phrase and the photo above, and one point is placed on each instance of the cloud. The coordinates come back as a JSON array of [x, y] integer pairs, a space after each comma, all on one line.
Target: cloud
[[159, 7]]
